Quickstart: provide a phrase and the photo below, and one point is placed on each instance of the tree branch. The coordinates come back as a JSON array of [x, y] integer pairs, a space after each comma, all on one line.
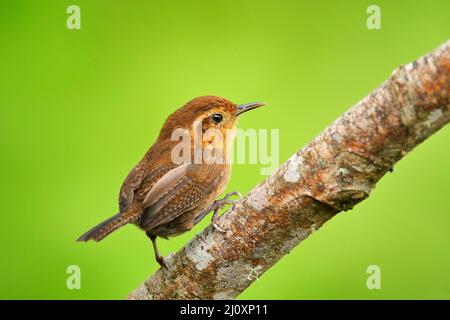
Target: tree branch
[[333, 173]]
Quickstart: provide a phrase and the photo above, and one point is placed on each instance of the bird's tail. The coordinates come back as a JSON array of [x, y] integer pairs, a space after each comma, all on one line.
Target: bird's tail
[[103, 229]]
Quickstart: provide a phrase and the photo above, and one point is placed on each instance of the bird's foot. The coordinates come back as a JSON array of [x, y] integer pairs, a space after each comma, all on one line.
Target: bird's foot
[[158, 257], [215, 221], [161, 261], [219, 204], [216, 206], [226, 200], [164, 263]]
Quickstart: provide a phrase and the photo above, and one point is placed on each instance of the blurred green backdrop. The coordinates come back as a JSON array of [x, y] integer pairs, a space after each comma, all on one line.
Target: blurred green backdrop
[[79, 108]]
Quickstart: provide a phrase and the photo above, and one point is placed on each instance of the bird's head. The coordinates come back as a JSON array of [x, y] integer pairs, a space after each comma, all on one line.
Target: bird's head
[[208, 112]]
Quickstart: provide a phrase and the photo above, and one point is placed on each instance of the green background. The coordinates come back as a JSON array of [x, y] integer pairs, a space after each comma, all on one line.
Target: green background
[[79, 108]]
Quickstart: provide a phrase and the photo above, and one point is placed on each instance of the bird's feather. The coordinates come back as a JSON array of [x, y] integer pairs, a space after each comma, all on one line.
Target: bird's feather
[[165, 185], [139, 178], [174, 194]]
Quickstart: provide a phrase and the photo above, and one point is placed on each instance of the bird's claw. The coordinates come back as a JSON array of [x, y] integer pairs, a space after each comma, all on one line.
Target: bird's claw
[[214, 224], [164, 264], [161, 262], [222, 203], [226, 200], [233, 193]]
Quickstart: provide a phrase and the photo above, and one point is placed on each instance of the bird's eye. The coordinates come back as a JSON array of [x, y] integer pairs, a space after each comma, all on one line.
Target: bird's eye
[[217, 117]]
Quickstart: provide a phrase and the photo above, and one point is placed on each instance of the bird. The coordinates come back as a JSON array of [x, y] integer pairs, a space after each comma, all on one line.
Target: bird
[[165, 196]]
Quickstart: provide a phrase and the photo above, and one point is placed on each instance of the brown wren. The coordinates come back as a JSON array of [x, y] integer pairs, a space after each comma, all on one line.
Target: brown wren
[[164, 197]]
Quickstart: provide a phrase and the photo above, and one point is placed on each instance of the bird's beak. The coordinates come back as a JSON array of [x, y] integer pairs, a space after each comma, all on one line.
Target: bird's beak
[[247, 106]]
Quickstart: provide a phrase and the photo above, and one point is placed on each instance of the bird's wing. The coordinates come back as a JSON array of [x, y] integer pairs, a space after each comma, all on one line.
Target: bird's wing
[[175, 193], [146, 173], [138, 178]]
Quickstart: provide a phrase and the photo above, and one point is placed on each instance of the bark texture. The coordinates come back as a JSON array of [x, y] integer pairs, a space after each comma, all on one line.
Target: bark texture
[[333, 173]]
